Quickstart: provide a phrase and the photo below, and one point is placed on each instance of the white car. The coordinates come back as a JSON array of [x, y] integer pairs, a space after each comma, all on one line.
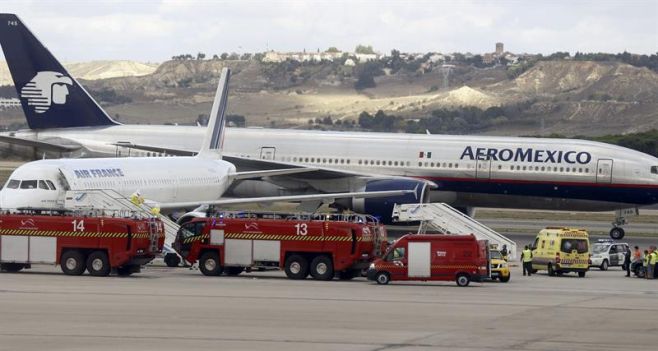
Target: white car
[[607, 253]]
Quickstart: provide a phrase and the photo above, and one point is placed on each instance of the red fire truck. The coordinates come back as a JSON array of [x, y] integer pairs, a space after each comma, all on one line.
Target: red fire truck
[[461, 258], [323, 245], [78, 241]]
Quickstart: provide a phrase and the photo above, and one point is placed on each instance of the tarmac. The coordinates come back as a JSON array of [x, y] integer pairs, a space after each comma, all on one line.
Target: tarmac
[[178, 308]]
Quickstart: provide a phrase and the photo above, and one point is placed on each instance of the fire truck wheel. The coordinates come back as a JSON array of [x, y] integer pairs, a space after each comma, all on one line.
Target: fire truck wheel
[[98, 264], [209, 263], [11, 267], [233, 271], [322, 268], [296, 267], [347, 274], [505, 279], [382, 278], [73, 262], [551, 271], [172, 260], [463, 279], [126, 271]]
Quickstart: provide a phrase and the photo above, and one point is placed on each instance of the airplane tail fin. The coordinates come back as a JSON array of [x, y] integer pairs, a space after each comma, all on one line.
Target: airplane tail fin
[[214, 140], [50, 97]]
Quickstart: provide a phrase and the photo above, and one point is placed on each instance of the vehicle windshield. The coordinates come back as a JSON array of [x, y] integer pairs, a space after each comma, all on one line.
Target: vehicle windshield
[[568, 245], [599, 248], [495, 254]]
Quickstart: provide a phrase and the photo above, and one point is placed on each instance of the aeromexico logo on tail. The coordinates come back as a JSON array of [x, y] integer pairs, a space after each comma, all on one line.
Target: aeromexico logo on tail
[[45, 89]]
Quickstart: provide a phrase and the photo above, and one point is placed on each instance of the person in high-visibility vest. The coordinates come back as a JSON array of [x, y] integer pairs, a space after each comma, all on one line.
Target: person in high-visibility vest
[[653, 258], [526, 258], [136, 198], [645, 263]]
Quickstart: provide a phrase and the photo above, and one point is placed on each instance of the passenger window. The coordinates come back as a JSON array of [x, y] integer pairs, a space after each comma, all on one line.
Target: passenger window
[[13, 184], [42, 185], [29, 184], [654, 169]]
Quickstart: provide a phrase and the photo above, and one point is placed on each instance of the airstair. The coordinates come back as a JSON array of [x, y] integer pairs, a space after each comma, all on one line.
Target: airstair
[[445, 219], [111, 202]]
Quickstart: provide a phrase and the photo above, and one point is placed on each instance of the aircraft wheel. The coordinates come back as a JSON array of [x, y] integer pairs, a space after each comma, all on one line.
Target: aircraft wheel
[[171, 260], [617, 233]]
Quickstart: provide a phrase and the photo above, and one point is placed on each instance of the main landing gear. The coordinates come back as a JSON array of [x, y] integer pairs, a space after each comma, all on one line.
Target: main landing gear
[[617, 232]]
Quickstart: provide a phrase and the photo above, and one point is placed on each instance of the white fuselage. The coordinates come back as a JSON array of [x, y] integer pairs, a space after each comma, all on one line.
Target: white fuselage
[[161, 179], [470, 170]]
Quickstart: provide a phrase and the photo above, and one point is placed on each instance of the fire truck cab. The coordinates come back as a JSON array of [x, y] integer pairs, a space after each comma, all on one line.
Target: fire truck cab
[[423, 257], [79, 241], [322, 245]]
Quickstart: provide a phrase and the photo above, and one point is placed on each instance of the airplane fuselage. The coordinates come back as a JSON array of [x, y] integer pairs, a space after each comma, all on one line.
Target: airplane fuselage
[[470, 171], [163, 180]]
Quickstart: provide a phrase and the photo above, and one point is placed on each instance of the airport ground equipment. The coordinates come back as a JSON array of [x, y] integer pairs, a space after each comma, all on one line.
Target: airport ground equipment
[[499, 266], [79, 241], [111, 201], [561, 250], [459, 258], [322, 245], [608, 253], [444, 219]]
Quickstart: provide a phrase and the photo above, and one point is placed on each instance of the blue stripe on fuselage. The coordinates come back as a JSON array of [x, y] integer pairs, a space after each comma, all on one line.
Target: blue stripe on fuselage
[[637, 194]]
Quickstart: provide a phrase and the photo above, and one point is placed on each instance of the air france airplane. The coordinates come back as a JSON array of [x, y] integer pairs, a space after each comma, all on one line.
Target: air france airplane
[[173, 182], [468, 171]]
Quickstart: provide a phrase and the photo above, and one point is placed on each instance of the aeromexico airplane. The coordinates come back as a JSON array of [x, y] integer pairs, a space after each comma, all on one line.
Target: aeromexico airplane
[[468, 171]]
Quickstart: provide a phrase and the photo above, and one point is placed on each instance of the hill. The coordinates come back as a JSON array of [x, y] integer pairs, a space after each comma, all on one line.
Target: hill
[[552, 96]]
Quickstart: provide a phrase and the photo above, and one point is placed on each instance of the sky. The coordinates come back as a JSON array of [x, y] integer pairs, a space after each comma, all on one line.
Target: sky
[[154, 31]]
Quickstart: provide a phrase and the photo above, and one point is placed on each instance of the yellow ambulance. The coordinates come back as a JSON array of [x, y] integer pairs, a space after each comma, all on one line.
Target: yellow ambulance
[[560, 250]]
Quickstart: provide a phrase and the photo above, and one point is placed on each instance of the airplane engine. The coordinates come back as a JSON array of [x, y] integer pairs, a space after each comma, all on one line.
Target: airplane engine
[[383, 207]]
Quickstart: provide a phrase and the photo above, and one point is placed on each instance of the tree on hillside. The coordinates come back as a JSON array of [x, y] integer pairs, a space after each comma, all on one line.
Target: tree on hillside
[[224, 56], [366, 74], [364, 49], [234, 56], [333, 49], [200, 56]]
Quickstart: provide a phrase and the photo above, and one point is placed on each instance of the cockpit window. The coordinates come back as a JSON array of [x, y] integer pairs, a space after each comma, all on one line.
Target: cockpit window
[[29, 184], [43, 185], [51, 185], [654, 169], [13, 184]]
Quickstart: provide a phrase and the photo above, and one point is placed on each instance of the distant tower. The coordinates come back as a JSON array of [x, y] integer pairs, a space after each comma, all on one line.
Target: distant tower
[[446, 69], [499, 49]]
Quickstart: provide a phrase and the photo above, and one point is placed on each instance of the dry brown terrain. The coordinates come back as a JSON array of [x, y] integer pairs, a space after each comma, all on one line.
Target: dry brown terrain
[[567, 97]]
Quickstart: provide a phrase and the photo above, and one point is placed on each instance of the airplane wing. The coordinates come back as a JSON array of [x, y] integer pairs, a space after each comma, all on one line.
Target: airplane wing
[[50, 145], [158, 149], [323, 198], [246, 164], [268, 173]]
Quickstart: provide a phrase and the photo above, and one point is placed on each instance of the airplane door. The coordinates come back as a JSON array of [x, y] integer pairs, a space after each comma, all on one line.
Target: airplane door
[[483, 169], [604, 171], [267, 152]]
